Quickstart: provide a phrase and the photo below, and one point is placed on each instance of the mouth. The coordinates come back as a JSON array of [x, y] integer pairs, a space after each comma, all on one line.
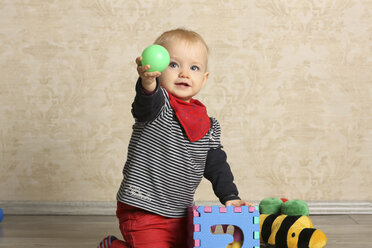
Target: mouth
[[182, 84]]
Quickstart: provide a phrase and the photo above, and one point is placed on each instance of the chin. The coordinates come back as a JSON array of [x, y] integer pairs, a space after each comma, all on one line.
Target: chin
[[182, 97], [186, 99]]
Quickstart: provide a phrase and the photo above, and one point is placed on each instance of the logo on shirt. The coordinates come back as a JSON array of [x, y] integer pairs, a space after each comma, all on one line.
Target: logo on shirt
[[137, 193]]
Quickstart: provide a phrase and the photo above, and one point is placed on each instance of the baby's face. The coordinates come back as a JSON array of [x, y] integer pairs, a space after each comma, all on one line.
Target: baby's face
[[187, 70]]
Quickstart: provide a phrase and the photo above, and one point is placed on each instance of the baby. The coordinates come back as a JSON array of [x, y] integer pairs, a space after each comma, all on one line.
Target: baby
[[173, 145]]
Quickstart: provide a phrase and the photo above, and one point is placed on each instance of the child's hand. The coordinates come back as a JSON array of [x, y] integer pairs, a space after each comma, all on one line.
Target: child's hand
[[148, 78], [238, 203]]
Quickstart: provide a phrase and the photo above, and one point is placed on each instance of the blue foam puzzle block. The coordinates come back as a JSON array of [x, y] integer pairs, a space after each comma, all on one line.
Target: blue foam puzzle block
[[210, 216]]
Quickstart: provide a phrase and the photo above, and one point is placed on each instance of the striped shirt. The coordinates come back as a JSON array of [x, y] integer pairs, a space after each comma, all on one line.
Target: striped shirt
[[163, 168]]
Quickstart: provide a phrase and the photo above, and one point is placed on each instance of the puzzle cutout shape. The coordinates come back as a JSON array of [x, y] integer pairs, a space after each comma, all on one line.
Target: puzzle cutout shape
[[202, 218]]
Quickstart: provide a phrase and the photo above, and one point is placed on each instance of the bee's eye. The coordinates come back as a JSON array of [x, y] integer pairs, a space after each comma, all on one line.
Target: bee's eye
[[293, 235]]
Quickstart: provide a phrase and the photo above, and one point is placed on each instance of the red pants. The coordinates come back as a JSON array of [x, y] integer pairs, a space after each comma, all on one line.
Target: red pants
[[142, 229]]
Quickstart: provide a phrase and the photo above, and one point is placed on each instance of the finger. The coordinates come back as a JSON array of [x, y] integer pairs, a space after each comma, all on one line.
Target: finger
[[152, 74], [143, 69], [138, 60]]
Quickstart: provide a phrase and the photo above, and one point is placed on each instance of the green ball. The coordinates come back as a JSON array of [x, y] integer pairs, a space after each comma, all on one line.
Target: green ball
[[156, 56], [295, 207], [270, 205]]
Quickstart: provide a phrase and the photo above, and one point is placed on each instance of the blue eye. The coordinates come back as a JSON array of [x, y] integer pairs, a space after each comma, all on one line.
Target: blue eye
[[194, 68], [173, 65]]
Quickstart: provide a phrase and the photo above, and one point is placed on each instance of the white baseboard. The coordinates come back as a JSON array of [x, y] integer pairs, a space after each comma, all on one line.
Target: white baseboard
[[346, 207], [109, 208]]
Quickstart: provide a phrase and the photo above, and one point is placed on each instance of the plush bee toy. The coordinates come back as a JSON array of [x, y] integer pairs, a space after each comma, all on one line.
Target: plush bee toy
[[287, 225]]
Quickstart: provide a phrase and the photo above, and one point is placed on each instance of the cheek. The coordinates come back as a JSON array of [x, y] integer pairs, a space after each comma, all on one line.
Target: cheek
[[200, 80], [165, 74], [162, 78]]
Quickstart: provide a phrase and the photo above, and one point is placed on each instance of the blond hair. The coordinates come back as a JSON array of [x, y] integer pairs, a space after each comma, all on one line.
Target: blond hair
[[180, 34]]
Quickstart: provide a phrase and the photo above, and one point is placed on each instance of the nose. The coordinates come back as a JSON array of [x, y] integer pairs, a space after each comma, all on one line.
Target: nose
[[184, 73]]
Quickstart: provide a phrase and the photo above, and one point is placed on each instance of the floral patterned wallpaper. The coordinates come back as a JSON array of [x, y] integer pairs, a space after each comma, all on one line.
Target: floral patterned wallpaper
[[290, 82]]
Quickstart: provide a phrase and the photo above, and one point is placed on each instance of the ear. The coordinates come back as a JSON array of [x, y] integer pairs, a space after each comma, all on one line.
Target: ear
[[205, 78]]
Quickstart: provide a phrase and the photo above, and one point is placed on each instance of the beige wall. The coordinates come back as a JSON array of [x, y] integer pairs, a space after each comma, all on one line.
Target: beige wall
[[290, 83]]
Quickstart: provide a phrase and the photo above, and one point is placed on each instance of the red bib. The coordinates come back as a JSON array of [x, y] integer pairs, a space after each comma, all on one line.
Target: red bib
[[192, 116]]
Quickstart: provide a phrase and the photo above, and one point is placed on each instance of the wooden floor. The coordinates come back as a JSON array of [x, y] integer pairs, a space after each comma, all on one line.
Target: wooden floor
[[343, 231]]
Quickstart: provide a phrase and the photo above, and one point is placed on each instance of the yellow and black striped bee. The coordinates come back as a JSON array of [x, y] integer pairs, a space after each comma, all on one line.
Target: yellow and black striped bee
[[283, 231]]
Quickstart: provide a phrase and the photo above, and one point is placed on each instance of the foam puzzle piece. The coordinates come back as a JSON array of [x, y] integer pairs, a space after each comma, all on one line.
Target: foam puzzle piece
[[202, 218]]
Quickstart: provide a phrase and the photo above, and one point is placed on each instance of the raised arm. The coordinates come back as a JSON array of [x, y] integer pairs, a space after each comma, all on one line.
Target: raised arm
[[149, 98]]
